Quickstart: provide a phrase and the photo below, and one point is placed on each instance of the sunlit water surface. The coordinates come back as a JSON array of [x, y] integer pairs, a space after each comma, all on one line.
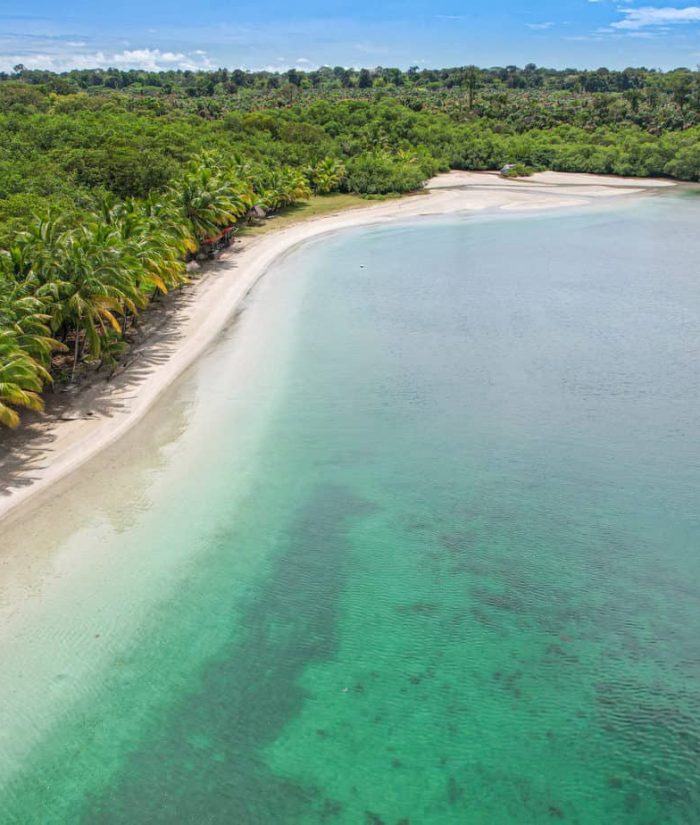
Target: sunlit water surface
[[417, 542]]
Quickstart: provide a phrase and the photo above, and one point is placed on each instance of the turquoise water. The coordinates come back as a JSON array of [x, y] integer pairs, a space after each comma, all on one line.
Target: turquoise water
[[417, 542]]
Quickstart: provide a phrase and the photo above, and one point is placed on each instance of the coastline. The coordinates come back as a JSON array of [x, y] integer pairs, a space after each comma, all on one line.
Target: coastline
[[52, 447]]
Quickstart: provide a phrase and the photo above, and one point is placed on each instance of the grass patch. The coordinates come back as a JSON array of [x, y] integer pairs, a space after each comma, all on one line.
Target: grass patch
[[317, 205]]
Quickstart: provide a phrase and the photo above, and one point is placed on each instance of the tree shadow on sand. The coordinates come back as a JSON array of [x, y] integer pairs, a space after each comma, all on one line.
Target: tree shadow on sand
[[99, 393]]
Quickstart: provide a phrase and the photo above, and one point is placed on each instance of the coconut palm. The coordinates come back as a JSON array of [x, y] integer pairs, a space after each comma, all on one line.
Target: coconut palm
[[165, 213], [285, 186], [207, 201], [156, 252], [298, 188], [23, 313], [88, 279], [21, 381], [326, 175]]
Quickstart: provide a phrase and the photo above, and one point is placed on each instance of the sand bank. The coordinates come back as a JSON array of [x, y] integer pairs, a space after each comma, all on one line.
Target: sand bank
[[55, 445]]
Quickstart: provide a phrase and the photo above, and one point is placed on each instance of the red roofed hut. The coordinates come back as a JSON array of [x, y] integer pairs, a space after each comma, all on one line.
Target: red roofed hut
[[213, 247]]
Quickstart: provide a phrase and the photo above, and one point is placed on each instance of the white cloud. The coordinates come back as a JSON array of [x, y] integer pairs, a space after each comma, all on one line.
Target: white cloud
[[653, 16], [59, 60]]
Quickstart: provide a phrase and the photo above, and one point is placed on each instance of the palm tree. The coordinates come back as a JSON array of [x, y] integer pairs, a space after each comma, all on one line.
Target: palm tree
[[21, 381], [153, 246], [326, 175], [88, 278], [23, 315], [297, 186], [285, 186], [26, 343], [207, 201], [166, 214]]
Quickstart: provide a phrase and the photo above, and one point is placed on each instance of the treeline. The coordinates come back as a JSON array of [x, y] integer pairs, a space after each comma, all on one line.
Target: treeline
[[61, 151], [73, 148], [522, 98], [229, 81], [105, 192]]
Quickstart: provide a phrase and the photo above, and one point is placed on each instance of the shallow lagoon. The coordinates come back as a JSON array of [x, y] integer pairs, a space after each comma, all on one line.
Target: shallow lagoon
[[417, 541]]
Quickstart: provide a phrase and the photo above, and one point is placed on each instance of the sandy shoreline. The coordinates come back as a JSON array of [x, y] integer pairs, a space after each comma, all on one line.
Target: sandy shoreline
[[52, 447]]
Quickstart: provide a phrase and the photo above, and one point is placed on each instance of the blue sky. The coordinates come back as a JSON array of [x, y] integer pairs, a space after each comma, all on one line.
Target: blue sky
[[64, 34]]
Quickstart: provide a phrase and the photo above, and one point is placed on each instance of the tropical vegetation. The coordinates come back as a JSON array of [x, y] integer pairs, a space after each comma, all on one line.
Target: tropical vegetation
[[111, 181]]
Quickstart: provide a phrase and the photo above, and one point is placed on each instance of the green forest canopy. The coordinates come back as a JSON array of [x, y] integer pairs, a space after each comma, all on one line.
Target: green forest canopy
[[68, 136], [110, 178]]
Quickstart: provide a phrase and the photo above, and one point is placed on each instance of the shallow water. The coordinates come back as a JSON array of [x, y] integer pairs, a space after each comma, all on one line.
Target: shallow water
[[416, 542]]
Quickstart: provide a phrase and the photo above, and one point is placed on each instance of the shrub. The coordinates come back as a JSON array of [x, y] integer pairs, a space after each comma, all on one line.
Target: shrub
[[381, 174]]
